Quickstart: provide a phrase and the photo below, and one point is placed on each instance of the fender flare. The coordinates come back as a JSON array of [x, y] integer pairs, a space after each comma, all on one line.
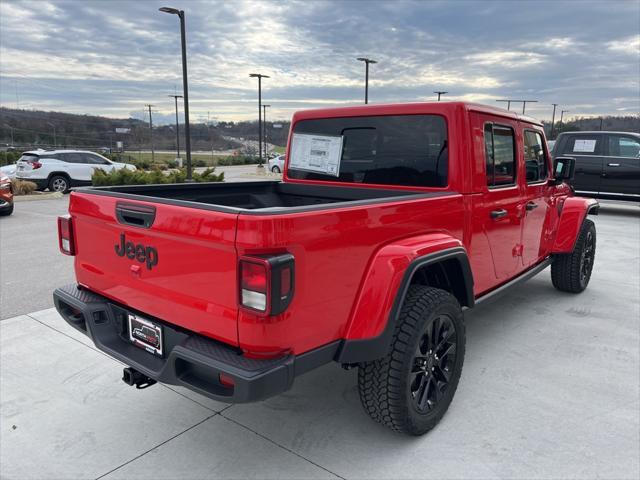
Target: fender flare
[[574, 211], [359, 344]]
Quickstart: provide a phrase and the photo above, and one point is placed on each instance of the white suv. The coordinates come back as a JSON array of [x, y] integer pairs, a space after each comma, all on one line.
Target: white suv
[[59, 170]]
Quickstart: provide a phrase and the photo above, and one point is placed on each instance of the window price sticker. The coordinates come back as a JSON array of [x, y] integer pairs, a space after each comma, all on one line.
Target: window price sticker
[[316, 153]]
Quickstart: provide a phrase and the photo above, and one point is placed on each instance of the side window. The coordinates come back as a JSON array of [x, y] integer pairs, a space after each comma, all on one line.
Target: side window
[[95, 159], [623, 146], [582, 145], [500, 155], [73, 157], [535, 158]]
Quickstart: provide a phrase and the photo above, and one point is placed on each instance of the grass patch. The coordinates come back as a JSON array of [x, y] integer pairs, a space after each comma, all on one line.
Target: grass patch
[[23, 187]]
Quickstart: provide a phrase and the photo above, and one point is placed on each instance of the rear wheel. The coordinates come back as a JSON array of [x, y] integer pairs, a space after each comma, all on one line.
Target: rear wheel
[[571, 272], [276, 169], [59, 183], [411, 388]]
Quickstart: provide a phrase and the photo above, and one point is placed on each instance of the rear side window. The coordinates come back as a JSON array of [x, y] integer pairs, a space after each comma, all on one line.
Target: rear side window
[[500, 155], [623, 146], [583, 145], [407, 150], [73, 157], [535, 158]]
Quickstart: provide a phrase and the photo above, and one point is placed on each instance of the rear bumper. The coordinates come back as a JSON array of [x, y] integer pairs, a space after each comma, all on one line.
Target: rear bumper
[[190, 360]]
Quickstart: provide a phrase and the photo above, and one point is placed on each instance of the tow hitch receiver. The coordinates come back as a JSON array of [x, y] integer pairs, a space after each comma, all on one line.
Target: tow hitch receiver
[[132, 377]]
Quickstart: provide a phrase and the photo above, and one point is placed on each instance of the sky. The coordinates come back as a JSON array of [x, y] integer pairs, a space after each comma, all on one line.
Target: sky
[[112, 57]]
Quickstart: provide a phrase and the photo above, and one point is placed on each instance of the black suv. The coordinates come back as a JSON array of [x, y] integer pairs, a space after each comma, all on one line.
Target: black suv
[[607, 163]]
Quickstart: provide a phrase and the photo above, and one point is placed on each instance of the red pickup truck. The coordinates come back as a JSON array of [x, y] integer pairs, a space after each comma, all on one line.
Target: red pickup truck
[[389, 222]]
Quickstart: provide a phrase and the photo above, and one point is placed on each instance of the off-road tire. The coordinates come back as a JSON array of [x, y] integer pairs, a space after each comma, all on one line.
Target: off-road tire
[[385, 384], [568, 270], [55, 180]]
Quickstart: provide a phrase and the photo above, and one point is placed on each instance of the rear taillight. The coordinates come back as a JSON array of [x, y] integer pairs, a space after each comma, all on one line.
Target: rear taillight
[[266, 283], [35, 164], [65, 235]]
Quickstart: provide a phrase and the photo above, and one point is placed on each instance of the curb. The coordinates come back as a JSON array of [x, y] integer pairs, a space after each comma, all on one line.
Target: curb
[[38, 196]]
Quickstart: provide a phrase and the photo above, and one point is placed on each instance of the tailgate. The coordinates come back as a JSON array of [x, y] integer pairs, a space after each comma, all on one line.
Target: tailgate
[[175, 263]]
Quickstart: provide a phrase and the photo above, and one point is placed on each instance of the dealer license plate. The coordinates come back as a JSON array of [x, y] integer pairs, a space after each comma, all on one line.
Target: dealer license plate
[[145, 334]]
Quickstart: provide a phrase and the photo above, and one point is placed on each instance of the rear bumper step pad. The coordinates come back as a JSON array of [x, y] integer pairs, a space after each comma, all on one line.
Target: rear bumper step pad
[[190, 360]]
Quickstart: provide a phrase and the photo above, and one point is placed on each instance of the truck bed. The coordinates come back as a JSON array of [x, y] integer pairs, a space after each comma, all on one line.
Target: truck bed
[[256, 197]]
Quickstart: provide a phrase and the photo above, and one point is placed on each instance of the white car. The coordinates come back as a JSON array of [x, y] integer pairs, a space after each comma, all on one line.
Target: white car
[[9, 170], [276, 164], [59, 170]]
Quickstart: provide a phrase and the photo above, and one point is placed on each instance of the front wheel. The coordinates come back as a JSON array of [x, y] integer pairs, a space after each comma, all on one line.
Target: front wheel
[[571, 272], [276, 169], [411, 388]]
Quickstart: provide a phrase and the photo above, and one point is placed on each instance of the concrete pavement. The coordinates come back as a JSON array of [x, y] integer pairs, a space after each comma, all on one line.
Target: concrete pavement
[[550, 389]]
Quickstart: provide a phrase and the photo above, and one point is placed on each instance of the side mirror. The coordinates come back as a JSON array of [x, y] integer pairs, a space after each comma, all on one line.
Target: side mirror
[[563, 169]]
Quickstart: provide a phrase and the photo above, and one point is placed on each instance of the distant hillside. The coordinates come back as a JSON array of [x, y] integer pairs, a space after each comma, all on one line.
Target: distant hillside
[[34, 128], [630, 123]]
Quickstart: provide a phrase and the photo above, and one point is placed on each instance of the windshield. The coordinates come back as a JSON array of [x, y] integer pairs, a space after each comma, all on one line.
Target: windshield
[[384, 150]]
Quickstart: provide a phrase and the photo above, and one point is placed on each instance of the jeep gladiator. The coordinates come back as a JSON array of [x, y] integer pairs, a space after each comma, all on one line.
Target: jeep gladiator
[[389, 222]]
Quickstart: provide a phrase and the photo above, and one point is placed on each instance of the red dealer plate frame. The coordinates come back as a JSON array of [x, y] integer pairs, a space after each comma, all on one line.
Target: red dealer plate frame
[[145, 334]]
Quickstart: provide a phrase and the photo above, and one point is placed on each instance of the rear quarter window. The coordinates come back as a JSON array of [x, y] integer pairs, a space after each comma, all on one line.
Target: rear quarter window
[[583, 145], [410, 150]]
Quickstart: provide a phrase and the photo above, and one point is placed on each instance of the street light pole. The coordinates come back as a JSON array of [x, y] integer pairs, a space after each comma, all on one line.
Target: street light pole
[[185, 87], [259, 76], [153, 153], [508, 103], [524, 104], [366, 61], [264, 129], [176, 97], [55, 141], [561, 117], [553, 118], [439, 92]]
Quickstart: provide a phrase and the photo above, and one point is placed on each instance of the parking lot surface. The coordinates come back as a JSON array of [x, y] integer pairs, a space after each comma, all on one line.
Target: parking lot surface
[[550, 389]]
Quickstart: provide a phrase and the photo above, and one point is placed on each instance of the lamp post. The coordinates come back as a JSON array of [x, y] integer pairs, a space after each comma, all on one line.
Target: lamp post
[[439, 92], [187, 135], [55, 142], [366, 61], [508, 103], [259, 76], [561, 117], [553, 119], [176, 97], [264, 129], [524, 104]]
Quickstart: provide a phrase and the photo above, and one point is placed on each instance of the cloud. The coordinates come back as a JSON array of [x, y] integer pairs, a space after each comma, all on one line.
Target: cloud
[[90, 57], [508, 59], [629, 45]]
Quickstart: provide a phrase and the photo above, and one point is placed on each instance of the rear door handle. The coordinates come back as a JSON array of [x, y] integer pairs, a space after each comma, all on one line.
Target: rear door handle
[[530, 206], [613, 164], [495, 214]]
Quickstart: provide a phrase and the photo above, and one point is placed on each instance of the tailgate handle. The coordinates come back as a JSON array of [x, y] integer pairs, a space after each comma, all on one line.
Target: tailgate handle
[[135, 215]]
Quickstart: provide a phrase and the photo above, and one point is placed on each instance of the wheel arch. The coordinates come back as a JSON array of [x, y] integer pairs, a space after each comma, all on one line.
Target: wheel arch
[[574, 211], [441, 262], [58, 174]]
